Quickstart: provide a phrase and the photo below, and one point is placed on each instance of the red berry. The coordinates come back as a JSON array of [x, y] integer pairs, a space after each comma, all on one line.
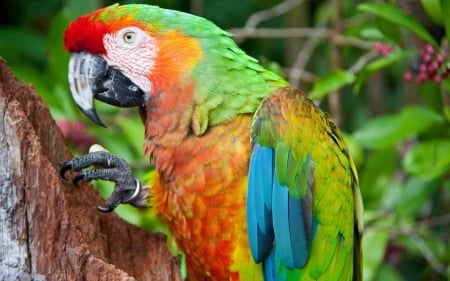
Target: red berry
[[421, 77], [422, 68], [436, 64], [429, 49], [382, 49], [437, 79], [407, 76], [432, 66], [64, 125], [427, 58]]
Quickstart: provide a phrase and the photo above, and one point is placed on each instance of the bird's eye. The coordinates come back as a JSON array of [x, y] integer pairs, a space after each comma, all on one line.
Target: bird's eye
[[129, 37]]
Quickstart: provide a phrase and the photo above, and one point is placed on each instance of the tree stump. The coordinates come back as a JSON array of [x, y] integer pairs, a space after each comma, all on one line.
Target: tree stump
[[50, 229]]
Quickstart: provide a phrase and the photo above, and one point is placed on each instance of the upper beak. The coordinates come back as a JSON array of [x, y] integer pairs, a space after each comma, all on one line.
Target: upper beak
[[91, 77]]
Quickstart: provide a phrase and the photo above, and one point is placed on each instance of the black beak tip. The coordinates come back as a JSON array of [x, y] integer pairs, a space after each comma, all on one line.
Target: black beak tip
[[92, 115]]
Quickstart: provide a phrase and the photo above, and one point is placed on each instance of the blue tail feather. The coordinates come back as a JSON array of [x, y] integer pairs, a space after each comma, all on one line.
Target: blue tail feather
[[259, 201]]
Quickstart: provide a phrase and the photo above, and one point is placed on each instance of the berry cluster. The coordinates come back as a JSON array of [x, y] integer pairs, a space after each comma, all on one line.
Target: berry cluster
[[383, 49], [76, 134], [432, 66]]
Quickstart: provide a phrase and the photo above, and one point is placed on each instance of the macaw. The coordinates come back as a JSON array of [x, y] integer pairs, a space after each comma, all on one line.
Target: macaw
[[254, 181]]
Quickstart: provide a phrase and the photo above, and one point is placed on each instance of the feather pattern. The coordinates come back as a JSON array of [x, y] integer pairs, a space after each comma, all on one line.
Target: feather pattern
[[259, 202], [283, 206], [314, 191]]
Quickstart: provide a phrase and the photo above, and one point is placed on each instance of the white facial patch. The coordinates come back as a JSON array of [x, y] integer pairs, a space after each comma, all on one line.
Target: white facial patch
[[132, 51]]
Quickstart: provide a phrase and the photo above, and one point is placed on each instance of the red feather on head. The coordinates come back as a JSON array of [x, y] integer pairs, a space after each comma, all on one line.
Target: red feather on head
[[85, 35]]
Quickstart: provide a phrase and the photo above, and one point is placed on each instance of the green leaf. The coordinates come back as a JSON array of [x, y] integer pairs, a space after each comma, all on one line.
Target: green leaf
[[133, 132], [434, 10], [430, 159], [331, 82], [414, 194], [390, 59], [386, 131], [63, 107], [104, 188], [430, 92], [398, 17], [22, 45], [58, 58], [445, 6], [437, 245], [446, 82], [76, 8], [29, 73], [376, 177], [392, 32], [373, 34], [388, 272], [447, 112], [374, 247]]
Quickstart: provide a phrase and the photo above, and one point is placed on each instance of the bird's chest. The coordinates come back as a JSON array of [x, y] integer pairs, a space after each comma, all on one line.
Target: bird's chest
[[204, 203], [207, 219], [207, 229]]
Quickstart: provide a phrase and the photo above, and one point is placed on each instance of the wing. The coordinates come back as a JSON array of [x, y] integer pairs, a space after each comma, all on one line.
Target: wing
[[304, 210]]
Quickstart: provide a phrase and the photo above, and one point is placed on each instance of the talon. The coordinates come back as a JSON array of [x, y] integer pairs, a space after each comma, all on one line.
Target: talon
[[105, 209], [111, 204], [135, 193], [65, 166], [77, 178]]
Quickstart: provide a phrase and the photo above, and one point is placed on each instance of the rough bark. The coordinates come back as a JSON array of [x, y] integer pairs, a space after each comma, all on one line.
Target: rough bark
[[49, 229]]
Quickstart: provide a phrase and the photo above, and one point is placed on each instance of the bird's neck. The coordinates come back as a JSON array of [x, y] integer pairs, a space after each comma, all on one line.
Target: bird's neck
[[172, 143], [194, 95]]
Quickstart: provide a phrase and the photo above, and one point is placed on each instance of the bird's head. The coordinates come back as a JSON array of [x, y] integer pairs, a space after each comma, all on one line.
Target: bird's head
[[122, 55]]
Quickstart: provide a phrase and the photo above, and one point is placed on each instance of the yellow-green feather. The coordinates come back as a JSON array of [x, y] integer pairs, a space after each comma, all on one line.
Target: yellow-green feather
[[305, 139]]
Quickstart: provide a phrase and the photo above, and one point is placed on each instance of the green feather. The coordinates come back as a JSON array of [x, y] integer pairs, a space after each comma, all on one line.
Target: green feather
[[281, 163], [264, 136], [298, 178]]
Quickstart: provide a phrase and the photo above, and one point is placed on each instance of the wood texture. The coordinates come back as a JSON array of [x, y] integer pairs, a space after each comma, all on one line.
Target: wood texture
[[49, 229]]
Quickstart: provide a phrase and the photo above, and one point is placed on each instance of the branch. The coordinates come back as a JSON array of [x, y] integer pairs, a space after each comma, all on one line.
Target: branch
[[240, 34], [288, 32], [270, 13], [410, 232], [363, 61], [264, 15], [423, 248], [334, 99], [305, 76], [434, 221], [302, 59]]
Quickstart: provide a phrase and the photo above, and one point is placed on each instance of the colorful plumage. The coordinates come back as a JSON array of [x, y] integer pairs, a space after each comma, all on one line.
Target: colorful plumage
[[271, 195]]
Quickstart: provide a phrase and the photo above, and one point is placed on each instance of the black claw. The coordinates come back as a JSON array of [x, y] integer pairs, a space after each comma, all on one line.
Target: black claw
[[77, 178], [112, 202], [65, 166], [107, 209]]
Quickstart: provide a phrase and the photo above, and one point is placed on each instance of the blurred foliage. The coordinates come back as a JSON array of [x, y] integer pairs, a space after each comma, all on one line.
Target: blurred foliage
[[397, 125]]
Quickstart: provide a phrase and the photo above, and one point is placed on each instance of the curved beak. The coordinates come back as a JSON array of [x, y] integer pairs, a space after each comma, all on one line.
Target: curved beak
[[91, 77]]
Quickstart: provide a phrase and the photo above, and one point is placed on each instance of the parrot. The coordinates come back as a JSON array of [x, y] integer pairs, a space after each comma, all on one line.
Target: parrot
[[253, 179]]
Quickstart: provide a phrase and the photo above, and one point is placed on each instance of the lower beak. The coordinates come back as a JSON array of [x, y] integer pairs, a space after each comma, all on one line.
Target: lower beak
[[91, 77]]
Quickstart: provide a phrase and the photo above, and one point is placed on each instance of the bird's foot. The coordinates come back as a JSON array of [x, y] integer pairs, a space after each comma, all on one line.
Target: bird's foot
[[127, 190]]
